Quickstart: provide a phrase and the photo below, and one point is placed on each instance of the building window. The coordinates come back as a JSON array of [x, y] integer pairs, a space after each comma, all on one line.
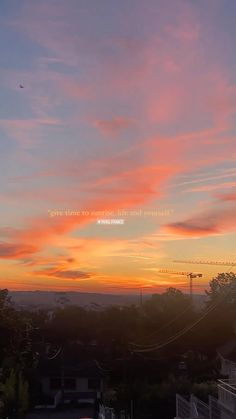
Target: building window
[[55, 383], [70, 384], [93, 384]]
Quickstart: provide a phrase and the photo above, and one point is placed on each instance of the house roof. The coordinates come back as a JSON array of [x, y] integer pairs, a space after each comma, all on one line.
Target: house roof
[[88, 369], [66, 413]]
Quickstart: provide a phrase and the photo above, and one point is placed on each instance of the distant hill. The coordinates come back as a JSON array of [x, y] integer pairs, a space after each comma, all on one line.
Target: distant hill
[[48, 299]]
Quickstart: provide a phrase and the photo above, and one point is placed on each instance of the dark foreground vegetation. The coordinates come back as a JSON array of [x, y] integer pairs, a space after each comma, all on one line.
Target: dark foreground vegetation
[[148, 352]]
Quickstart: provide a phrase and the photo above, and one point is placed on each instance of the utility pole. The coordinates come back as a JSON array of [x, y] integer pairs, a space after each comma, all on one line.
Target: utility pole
[[191, 286], [132, 409], [62, 375]]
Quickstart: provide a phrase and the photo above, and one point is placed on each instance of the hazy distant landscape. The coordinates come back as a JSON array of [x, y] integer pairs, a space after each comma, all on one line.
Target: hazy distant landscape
[[47, 299]]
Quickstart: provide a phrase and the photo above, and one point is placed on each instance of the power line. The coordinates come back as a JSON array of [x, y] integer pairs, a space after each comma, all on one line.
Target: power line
[[177, 335], [188, 328], [162, 328], [54, 356], [100, 367]]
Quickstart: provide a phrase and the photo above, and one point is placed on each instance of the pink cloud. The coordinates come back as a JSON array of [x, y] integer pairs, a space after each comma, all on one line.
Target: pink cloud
[[209, 188], [167, 105], [213, 222], [114, 126], [74, 89], [185, 31], [162, 98], [227, 197], [221, 99], [26, 131], [46, 90]]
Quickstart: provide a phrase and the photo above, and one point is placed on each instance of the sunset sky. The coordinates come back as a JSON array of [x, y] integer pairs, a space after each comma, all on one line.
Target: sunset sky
[[126, 106]]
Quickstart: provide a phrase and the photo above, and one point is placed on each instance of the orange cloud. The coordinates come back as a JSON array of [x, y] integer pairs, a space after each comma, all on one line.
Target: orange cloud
[[64, 274], [16, 250], [122, 184]]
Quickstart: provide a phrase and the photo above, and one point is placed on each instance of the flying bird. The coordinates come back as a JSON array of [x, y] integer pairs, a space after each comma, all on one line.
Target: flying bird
[[21, 86]]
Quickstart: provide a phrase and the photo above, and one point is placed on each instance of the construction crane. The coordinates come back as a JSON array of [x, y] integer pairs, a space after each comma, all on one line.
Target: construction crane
[[206, 262], [189, 275], [169, 271]]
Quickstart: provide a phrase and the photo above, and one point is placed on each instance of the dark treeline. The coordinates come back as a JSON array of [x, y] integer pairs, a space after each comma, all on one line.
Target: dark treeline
[[131, 344]]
